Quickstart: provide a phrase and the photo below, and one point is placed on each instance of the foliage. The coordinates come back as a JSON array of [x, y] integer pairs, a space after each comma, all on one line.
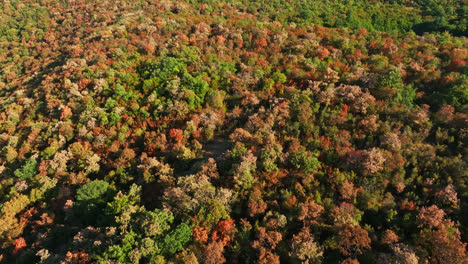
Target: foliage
[[28, 170], [92, 197], [177, 239], [210, 131]]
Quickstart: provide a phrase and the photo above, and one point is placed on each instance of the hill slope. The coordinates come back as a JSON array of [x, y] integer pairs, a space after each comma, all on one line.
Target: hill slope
[[232, 132]]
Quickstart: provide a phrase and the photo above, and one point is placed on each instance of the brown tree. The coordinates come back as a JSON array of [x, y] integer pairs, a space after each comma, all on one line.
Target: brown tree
[[310, 213], [304, 248], [213, 253], [265, 243], [353, 240]]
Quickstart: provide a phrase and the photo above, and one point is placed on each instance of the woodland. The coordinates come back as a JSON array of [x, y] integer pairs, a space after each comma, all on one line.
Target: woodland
[[234, 131]]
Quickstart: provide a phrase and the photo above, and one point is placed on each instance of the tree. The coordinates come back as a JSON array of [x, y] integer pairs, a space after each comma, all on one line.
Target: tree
[[353, 240], [431, 216], [10, 227], [267, 241], [310, 213], [19, 244], [213, 253], [373, 161], [156, 222], [404, 254], [391, 141], [456, 94], [91, 199], [448, 196], [389, 237], [176, 239], [66, 112], [346, 214], [243, 172], [304, 248], [28, 170], [348, 191], [445, 114], [305, 161], [440, 237], [444, 245]]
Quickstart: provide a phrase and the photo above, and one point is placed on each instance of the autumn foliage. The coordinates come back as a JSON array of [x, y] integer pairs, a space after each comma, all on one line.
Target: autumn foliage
[[233, 131]]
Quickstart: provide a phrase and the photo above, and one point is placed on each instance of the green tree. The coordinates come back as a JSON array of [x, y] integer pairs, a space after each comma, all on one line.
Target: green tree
[[28, 170], [177, 239], [305, 161], [457, 94], [91, 199]]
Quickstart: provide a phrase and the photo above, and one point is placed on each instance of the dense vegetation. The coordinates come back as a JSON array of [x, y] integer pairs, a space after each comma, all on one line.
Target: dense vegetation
[[233, 131]]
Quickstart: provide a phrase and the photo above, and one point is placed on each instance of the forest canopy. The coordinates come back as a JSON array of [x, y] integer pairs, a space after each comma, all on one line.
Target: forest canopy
[[207, 131]]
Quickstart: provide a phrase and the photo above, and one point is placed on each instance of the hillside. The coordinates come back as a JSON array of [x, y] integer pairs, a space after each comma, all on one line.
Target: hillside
[[233, 131]]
